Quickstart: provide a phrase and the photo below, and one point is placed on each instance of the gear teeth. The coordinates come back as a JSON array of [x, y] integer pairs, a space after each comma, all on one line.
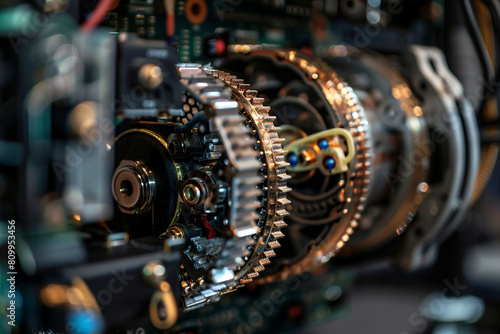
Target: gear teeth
[[284, 189], [235, 82], [278, 235], [267, 118], [262, 127], [278, 140], [284, 177], [280, 224], [284, 201], [243, 87], [270, 253], [263, 110], [282, 163], [282, 213], [274, 244], [270, 127], [280, 151], [257, 101], [214, 89], [252, 275], [250, 93], [259, 268]]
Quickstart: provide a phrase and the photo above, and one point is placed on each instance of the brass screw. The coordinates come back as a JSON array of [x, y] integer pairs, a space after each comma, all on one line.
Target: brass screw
[[175, 232]]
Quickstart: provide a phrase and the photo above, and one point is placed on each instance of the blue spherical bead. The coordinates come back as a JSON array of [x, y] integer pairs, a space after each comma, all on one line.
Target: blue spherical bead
[[292, 159], [329, 163], [323, 144]]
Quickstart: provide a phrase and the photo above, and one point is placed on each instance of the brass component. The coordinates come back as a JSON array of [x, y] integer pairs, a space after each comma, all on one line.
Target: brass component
[[166, 297], [309, 157], [191, 194], [53, 295], [227, 291], [150, 76], [313, 157], [175, 232], [77, 295], [185, 287]]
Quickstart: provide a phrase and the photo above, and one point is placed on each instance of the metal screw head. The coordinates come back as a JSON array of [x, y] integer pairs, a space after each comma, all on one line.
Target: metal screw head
[[133, 187], [150, 76], [191, 194]]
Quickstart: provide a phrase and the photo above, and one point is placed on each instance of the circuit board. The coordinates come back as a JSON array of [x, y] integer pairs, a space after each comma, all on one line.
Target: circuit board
[[202, 29], [194, 18], [297, 302]]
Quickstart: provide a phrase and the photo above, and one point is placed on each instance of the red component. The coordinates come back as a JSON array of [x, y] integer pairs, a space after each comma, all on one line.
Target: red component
[[170, 27], [206, 224], [220, 46], [97, 15]]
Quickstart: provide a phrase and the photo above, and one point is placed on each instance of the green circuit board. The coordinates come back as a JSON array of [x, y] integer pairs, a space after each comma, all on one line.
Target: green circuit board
[[249, 22], [313, 26]]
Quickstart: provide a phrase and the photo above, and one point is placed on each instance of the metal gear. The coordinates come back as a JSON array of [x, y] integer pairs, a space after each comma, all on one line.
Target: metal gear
[[344, 111], [241, 257], [274, 186]]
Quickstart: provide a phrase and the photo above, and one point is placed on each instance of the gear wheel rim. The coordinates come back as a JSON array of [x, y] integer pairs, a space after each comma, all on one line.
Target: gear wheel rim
[[316, 72]]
